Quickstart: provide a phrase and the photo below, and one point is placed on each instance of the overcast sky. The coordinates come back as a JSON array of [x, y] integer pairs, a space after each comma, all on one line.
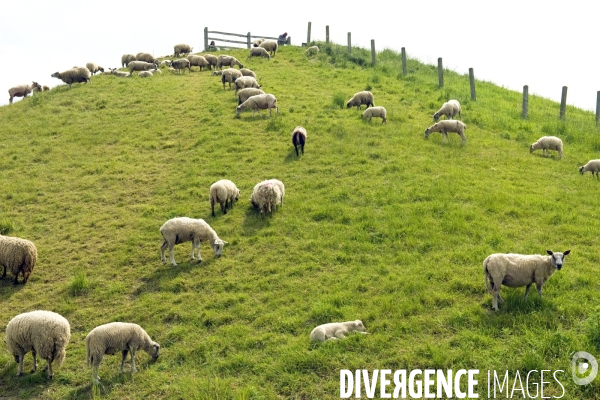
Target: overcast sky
[[544, 45]]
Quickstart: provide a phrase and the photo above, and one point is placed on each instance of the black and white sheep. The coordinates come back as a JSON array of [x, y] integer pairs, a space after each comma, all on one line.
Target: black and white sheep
[[270, 46], [360, 98], [229, 75], [266, 196], [74, 75], [180, 49], [518, 270], [593, 166], [248, 72], [259, 102], [299, 139], [198, 61], [336, 330], [181, 64], [44, 333], [17, 256], [547, 143], [446, 126], [116, 337], [450, 109], [126, 59], [244, 82], [258, 52], [93, 67], [375, 112], [184, 229], [245, 94], [223, 192], [140, 66], [228, 61], [22, 90]]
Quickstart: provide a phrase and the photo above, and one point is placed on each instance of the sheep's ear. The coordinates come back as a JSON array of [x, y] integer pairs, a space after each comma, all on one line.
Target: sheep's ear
[[549, 252], [566, 252], [224, 242]]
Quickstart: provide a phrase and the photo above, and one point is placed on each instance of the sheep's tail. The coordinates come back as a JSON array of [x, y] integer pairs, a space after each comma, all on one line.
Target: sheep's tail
[[486, 276]]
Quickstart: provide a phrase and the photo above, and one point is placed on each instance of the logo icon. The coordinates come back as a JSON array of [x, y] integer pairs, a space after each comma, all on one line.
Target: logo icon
[[584, 367]]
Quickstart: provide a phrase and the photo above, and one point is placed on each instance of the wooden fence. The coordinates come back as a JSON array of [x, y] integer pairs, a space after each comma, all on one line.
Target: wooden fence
[[209, 36]]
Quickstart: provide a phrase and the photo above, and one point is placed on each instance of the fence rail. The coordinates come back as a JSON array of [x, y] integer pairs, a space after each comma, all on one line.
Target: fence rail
[[212, 45]]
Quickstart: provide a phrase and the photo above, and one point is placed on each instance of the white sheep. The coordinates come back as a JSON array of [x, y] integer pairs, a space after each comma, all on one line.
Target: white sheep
[[280, 185], [44, 333], [212, 60], [336, 330], [259, 102], [518, 270], [360, 98], [17, 256], [248, 72], [140, 66], [120, 73], [244, 82], [593, 166], [450, 109], [312, 50], [149, 58], [22, 90], [74, 75], [117, 337], [93, 67], [299, 139], [165, 63], [266, 196], [181, 64], [245, 94], [126, 59], [270, 46], [375, 112], [144, 74], [446, 126], [548, 143], [198, 61], [217, 73], [258, 52], [257, 42], [230, 61], [223, 192], [230, 75], [184, 229], [180, 49]]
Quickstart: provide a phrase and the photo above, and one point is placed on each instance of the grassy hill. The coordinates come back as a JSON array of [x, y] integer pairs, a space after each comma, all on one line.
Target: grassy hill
[[379, 224]]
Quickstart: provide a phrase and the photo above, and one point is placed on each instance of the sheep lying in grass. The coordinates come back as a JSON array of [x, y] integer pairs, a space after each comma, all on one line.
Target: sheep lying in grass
[[244, 82], [450, 109], [212, 60], [22, 90], [312, 50], [259, 102], [299, 139], [44, 333], [198, 61], [116, 337], [446, 126], [120, 73], [266, 196], [593, 166], [140, 66], [375, 112], [547, 143], [184, 229], [228, 61], [336, 330], [230, 75], [180, 49], [258, 52], [181, 64], [74, 75], [225, 193], [517, 270], [247, 72], [270, 46], [144, 74], [93, 67], [245, 94], [17, 256], [360, 98], [126, 59]]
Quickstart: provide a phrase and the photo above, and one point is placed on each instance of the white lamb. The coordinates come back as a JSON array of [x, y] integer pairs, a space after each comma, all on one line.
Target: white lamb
[[375, 112], [259, 102], [244, 82], [248, 72], [22, 90], [280, 185], [198, 61], [312, 50], [548, 143], [360, 98], [258, 52], [450, 109], [266, 196], [223, 192], [93, 67], [230, 61], [245, 94], [116, 337], [230, 75], [18, 256], [44, 333], [270, 46], [184, 229], [446, 126], [593, 166], [144, 74], [517, 270], [336, 330]]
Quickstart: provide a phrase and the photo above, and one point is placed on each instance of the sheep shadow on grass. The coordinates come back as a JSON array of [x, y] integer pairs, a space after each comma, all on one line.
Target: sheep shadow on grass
[[291, 156], [254, 221]]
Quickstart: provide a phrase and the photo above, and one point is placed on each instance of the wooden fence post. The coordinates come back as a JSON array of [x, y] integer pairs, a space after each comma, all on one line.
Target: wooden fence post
[[327, 34], [308, 35], [525, 102], [349, 43], [563, 102], [206, 39], [440, 73], [373, 51], [597, 106], [249, 43], [403, 61], [472, 82]]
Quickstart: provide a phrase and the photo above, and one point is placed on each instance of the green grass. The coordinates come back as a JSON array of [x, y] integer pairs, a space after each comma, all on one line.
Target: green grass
[[378, 224]]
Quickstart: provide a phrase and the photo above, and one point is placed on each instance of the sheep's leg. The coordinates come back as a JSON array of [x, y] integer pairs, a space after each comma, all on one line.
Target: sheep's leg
[[19, 359], [95, 376], [339, 334], [199, 256], [539, 285], [192, 254], [48, 367], [162, 252], [124, 356], [527, 290], [496, 292], [35, 363], [212, 207], [4, 274], [172, 255], [133, 369]]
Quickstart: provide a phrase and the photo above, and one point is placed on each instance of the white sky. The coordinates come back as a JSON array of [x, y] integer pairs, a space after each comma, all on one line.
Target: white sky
[[546, 45]]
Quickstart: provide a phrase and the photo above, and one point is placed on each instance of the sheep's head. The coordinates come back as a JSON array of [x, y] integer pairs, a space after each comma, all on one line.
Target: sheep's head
[[427, 132], [358, 326], [531, 148], [55, 75], [36, 85], [349, 104], [237, 194], [558, 259], [217, 246], [436, 116], [238, 110], [155, 350], [581, 170]]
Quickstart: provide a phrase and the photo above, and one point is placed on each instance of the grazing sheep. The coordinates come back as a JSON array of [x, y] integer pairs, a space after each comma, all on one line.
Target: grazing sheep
[[299, 138], [446, 126], [212, 60], [198, 61], [17, 256], [230, 75], [22, 90], [180, 49], [181, 64], [140, 66], [244, 82], [44, 333], [548, 143], [360, 98], [245, 94], [93, 67], [336, 330], [126, 59], [258, 52], [184, 229], [518, 270], [223, 192], [375, 112], [270, 46], [74, 75], [593, 166], [230, 61], [259, 102], [149, 58], [312, 50], [248, 72], [266, 196], [280, 185], [144, 74], [257, 42], [450, 109], [116, 337]]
